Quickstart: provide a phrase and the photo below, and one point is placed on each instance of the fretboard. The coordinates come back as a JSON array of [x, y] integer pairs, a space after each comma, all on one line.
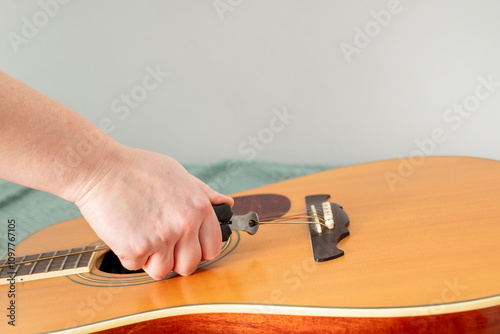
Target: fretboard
[[50, 264]]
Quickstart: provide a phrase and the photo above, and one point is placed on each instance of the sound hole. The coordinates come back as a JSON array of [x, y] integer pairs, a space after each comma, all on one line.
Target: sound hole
[[111, 264], [267, 206]]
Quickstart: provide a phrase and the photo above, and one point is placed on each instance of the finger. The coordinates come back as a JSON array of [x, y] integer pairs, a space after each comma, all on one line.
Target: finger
[[187, 254], [132, 263], [214, 196], [133, 257], [210, 237], [160, 264]]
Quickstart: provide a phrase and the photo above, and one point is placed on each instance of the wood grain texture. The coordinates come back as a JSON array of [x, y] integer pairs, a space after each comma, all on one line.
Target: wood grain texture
[[426, 248], [472, 322]]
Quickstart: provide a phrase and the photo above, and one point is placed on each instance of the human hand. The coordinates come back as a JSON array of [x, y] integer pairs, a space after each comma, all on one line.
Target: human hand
[[152, 213]]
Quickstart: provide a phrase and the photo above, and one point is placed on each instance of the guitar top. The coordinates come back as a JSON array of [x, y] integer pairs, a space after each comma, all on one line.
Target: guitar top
[[417, 250]]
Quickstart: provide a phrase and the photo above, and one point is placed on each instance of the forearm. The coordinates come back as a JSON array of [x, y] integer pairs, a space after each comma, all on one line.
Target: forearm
[[150, 211], [46, 146]]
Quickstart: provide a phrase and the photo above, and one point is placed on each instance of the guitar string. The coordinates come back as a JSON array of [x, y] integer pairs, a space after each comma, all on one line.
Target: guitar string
[[278, 220], [291, 213], [293, 217]]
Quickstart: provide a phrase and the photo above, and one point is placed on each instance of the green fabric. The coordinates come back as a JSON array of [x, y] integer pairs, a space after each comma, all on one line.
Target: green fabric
[[232, 176], [34, 210]]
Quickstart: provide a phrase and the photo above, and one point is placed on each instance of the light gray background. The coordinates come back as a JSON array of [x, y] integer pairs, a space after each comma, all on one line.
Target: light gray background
[[229, 71]]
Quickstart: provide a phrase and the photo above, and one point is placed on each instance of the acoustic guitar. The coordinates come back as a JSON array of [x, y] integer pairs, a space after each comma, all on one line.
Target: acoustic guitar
[[414, 248]]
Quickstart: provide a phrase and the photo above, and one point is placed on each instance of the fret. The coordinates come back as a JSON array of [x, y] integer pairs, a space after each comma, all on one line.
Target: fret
[[49, 261], [34, 264], [56, 264], [73, 260], [85, 259], [11, 268], [14, 273], [3, 271], [6, 273], [40, 267], [48, 265], [24, 269], [18, 266], [65, 259], [42, 264], [78, 260]]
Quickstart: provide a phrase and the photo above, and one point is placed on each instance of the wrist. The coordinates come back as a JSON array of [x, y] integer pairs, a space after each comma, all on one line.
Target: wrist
[[99, 160]]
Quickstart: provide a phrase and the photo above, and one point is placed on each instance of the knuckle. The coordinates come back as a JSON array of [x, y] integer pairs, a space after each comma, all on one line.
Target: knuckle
[[140, 250], [201, 203], [189, 224], [190, 227], [165, 238]]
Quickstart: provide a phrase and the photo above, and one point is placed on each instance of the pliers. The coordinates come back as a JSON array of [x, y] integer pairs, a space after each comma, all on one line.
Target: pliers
[[230, 222]]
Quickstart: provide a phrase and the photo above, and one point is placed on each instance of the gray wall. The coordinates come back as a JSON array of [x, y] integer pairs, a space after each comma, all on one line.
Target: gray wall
[[335, 82]]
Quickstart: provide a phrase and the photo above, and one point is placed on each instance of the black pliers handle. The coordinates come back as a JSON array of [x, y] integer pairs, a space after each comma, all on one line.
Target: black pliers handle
[[229, 222]]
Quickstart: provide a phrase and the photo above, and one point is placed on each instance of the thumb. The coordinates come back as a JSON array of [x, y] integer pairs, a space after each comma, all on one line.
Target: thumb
[[214, 196]]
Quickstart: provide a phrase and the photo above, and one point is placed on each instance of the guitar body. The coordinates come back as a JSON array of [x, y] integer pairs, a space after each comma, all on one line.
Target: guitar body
[[423, 256]]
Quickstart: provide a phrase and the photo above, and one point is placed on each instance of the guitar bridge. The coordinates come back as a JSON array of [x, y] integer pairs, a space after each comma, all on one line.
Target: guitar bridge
[[329, 228]]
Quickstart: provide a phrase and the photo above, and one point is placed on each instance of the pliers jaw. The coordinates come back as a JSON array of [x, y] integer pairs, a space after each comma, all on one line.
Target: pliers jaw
[[248, 222]]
